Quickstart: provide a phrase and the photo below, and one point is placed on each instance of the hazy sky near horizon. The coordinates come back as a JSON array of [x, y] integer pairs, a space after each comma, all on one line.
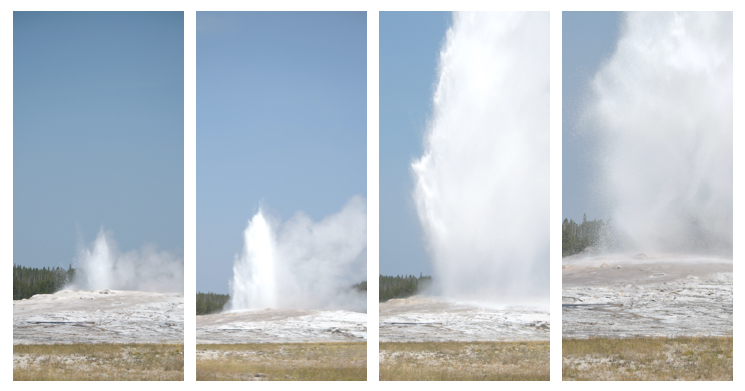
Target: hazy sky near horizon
[[410, 45], [588, 39], [281, 122], [98, 132]]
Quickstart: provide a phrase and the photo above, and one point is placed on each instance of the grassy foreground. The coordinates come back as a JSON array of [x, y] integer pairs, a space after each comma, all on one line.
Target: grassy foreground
[[98, 362], [525, 360], [647, 358], [282, 361]]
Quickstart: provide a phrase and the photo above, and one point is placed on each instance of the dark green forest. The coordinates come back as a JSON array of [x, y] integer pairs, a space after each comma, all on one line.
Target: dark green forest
[[575, 238], [208, 303], [361, 287], [29, 281], [402, 286]]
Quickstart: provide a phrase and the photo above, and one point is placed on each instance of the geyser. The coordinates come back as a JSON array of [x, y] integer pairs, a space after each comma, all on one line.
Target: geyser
[[303, 264], [103, 266], [482, 185], [662, 105]]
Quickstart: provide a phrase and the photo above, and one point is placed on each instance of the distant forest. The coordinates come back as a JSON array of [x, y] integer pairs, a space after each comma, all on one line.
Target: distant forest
[[575, 238], [29, 281], [402, 286], [209, 303], [361, 287]]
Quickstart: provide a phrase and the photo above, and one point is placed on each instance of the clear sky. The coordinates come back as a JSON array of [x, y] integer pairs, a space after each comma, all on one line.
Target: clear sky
[[98, 132], [409, 52], [281, 122], [588, 39]]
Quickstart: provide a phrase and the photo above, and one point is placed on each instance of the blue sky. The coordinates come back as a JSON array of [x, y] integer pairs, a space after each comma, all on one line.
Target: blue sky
[[409, 52], [98, 132], [588, 39], [281, 121]]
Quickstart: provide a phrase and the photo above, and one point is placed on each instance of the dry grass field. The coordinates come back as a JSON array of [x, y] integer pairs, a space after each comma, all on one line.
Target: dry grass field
[[282, 361], [647, 358], [98, 362], [527, 360]]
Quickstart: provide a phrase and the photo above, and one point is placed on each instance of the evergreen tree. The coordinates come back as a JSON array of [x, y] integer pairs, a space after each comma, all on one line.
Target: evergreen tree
[[401, 286], [208, 303], [32, 281], [575, 238]]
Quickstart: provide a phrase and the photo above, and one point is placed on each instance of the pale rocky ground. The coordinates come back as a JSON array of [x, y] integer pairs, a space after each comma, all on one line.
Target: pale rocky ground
[[425, 318], [282, 326], [625, 295], [99, 316]]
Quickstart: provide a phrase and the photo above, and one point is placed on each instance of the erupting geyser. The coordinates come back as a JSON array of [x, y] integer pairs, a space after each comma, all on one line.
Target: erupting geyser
[[103, 267], [662, 105], [482, 186], [301, 264], [254, 281]]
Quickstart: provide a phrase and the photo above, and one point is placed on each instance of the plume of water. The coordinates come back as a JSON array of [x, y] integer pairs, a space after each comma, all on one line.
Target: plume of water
[[103, 266], [482, 185], [303, 264], [662, 105]]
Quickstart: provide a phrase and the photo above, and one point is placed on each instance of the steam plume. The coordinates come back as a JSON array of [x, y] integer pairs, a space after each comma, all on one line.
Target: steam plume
[[103, 266], [303, 264], [482, 185], [663, 107]]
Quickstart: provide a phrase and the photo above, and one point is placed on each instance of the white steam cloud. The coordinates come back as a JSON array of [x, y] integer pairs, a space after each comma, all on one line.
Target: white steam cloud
[[482, 185], [303, 264], [103, 266], [663, 107]]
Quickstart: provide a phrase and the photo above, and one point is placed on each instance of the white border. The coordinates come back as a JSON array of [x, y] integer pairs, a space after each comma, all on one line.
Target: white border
[[6, 158]]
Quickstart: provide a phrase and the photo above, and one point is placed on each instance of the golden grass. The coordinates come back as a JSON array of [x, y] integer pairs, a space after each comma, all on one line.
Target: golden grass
[[647, 358], [282, 361], [98, 362], [525, 360]]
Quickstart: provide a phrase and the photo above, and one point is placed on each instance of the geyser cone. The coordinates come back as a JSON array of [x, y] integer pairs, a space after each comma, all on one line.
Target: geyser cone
[[303, 264], [663, 107], [482, 185]]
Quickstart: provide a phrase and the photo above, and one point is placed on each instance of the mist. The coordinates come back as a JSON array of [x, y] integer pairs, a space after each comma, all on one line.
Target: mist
[[662, 106], [482, 184], [302, 264], [101, 265]]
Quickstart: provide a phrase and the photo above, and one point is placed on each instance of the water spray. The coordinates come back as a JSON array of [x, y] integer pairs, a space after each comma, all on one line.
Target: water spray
[[302, 264], [482, 185]]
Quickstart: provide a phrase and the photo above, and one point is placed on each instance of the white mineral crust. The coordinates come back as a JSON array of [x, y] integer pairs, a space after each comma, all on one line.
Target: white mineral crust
[[424, 318], [99, 316], [646, 295], [272, 325]]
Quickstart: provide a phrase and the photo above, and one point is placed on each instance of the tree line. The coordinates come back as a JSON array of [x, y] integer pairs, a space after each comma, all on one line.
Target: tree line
[[402, 286], [360, 287], [208, 303], [575, 238], [29, 281]]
